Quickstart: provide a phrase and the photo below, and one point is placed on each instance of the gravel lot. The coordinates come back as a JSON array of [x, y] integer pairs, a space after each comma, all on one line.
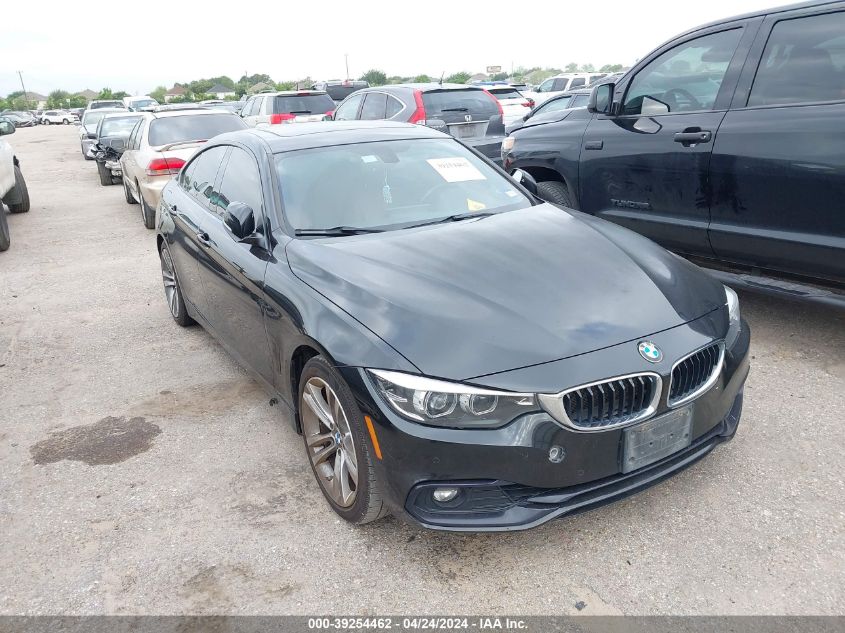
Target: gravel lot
[[142, 471]]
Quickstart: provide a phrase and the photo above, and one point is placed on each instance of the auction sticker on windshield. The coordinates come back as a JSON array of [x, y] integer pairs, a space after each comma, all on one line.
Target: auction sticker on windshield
[[456, 169]]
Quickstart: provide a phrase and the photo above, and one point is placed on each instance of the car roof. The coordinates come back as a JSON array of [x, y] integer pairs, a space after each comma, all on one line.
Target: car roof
[[110, 111], [290, 93], [163, 114], [762, 12], [122, 114], [283, 138], [428, 87]]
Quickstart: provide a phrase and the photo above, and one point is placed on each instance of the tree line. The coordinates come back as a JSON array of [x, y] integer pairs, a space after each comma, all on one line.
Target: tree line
[[198, 89]]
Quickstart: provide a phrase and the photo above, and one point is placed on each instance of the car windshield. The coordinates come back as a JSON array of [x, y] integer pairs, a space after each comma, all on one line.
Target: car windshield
[[91, 118], [303, 104], [390, 184], [143, 103], [192, 127], [118, 126]]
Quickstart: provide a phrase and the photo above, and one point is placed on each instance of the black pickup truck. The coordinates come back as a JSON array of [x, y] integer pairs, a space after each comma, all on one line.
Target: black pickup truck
[[725, 144]]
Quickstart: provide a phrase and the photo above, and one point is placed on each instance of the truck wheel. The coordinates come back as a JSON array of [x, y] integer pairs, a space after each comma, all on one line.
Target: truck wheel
[[105, 173], [4, 230], [20, 183], [555, 192]]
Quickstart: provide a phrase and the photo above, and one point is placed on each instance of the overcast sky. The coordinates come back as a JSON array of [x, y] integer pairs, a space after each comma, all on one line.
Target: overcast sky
[[138, 46]]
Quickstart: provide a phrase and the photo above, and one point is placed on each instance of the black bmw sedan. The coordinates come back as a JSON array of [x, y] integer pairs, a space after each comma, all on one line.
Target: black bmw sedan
[[450, 347]]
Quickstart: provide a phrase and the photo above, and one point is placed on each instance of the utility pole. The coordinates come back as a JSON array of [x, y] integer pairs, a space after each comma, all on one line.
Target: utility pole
[[346, 59], [22, 86]]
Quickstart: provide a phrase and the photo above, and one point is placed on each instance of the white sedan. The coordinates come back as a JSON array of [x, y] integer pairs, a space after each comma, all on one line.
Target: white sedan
[[514, 104], [58, 116]]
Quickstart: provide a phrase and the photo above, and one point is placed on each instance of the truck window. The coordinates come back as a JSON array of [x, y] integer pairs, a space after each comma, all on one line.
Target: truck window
[[803, 62], [685, 78]]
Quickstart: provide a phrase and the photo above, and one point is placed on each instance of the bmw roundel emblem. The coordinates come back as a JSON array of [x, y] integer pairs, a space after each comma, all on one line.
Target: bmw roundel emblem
[[650, 351]]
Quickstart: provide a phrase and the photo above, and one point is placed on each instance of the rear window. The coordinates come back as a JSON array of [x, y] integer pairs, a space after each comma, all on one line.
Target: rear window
[[475, 102], [106, 104], [302, 104], [340, 92], [143, 103], [505, 93], [197, 127], [120, 127]]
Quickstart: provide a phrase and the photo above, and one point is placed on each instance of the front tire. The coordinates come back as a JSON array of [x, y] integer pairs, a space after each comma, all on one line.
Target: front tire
[[128, 194], [65, 121], [5, 237], [555, 192], [46, 121], [148, 214], [105, 174], [337, 446], [172, 290], [20, 183]]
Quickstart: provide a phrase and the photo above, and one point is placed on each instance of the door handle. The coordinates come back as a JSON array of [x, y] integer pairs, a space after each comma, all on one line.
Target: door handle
[[203, 239], [693, 137]]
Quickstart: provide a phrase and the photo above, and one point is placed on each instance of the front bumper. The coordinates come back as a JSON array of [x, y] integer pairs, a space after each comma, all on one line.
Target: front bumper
[[506, 477]]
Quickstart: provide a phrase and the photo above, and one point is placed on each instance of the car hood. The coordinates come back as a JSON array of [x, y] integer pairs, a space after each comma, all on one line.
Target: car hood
[[471, 298]]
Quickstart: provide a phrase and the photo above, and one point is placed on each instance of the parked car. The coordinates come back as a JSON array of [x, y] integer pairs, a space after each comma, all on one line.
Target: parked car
[[88, 128], [158, 147], [57, 116], [112, 133], [229, 106], [77, 112], [20, 118], [417, 319], [13, 190], [555, 109], [719, 145], [468, 113], [289, 106], [139, 103], [563, 83], [514, 104], [339, 89], [104, 103]]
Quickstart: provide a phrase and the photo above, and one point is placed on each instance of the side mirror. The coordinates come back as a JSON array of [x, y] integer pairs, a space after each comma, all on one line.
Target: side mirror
[[6, 126], [526, 180], [239, 219], [601, 99]]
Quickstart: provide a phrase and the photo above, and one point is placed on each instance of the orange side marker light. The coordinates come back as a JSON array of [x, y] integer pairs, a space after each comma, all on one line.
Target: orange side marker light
[[373, 437]]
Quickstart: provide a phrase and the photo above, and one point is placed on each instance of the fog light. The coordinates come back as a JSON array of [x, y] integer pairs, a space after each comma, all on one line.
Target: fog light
[[445, 495]]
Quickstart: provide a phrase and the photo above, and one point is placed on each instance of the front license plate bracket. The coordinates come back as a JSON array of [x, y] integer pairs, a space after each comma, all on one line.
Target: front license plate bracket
[[655, 439]]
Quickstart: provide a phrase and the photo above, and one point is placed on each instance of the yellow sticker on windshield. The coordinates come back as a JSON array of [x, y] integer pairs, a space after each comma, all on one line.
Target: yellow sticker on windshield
[[472, 205]]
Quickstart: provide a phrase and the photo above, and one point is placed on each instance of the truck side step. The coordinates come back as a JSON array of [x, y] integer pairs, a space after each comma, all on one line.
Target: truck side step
[[780, 288]]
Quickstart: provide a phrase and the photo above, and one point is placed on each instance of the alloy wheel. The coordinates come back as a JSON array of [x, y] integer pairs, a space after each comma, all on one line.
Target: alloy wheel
[[168, 275], [329, 441]]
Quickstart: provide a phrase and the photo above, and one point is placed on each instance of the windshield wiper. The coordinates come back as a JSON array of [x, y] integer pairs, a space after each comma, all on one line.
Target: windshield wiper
[[452, 218], [454, 109], [336, 230]]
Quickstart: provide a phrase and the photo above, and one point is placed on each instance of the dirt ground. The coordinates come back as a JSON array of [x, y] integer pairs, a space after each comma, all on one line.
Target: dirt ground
[[142, 471]]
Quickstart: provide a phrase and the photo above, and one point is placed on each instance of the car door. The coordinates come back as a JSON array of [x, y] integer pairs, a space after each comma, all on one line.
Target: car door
[[233, 270], [375, 105], [778, 167], [188, 205], [646, 166]]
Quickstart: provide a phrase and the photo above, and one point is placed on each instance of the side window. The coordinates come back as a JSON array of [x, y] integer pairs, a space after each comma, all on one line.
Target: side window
[[546, 86], [241, 183], [554, 106], [131, 142], [804, 62], [258, 108], [580, 101], [348, 110], [186, 174], [394, 107], [204, 174], [375, 104], [247, 109], [577, 82], [685, 78]]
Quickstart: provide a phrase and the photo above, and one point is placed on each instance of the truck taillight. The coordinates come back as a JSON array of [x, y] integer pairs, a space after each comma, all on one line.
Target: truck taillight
[[418, 116], [275, 119], [164, 166]]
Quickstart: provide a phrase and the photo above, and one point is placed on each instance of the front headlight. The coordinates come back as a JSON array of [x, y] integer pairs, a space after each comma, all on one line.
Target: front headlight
[[447, 404], [734, 320]]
